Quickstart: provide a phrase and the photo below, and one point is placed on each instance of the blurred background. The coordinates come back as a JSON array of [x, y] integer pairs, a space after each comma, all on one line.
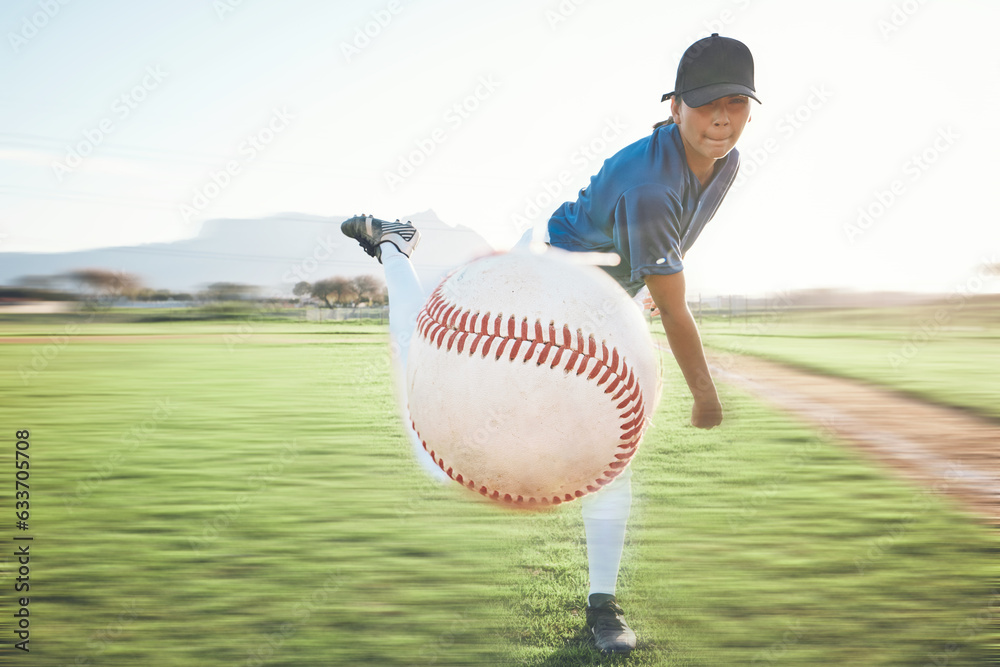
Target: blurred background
[[217, 472], [864, 168]]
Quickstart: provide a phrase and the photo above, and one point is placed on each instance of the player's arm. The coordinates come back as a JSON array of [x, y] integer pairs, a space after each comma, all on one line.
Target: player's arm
[[668, 293]]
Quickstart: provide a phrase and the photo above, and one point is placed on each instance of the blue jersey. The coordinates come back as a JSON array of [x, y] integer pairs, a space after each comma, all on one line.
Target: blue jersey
[[645, 205]]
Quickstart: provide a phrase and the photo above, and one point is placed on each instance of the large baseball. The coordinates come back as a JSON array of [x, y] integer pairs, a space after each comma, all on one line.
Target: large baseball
[[531, 378]]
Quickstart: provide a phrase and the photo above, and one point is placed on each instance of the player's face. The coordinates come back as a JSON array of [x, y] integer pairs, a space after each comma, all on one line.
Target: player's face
[[709, 132]]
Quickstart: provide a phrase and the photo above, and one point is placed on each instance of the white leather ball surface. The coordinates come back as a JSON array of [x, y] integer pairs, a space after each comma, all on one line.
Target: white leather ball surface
[[531, 378]]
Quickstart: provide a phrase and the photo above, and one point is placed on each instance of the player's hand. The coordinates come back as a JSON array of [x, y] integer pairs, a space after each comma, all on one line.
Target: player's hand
[[706, 413]]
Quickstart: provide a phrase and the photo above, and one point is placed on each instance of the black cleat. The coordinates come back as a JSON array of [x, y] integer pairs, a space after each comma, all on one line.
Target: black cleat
[[370, 232], [607, 621]]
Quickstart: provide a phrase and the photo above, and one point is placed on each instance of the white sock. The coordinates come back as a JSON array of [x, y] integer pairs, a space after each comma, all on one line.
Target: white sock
[[406, 298], [605, 516]]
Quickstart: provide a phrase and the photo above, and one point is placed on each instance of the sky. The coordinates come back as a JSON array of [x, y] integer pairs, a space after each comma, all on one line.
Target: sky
[[868, 165]]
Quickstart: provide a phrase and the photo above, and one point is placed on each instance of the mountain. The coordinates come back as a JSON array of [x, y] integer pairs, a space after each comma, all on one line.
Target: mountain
[[273, 253]]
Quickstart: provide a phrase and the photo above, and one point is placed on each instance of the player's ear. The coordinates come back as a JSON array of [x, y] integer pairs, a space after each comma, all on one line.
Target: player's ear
[[675, 108]]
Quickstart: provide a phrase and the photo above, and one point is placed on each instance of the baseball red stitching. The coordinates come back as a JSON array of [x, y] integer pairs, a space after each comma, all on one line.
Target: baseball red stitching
[[444, 324]]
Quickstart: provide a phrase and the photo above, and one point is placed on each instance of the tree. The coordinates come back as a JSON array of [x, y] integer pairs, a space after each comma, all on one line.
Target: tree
[[150, 294], [145, 294], [322, 289], [344, 289], [38, 282], [341, 289], [368, 287], [105, 282], [228, 291], [44, 288], [302, 288]]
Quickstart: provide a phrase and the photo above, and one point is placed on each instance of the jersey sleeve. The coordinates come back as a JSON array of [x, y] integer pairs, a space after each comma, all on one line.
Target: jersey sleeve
[[647, 227]]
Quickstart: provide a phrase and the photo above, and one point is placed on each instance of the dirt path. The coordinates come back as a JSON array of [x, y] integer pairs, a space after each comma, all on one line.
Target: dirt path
[[949, 450]]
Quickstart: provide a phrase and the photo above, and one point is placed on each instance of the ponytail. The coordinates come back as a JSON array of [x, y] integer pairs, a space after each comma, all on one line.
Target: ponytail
[[669, 120]]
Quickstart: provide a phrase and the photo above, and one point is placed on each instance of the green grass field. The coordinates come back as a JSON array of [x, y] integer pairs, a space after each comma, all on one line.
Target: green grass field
[[949, 356], [245, 496]]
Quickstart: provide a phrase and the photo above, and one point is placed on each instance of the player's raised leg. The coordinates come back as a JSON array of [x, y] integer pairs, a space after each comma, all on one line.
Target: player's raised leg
[[392, 243]]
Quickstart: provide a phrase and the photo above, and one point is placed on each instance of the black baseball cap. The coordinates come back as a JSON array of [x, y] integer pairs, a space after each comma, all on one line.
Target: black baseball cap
[[711, 68]]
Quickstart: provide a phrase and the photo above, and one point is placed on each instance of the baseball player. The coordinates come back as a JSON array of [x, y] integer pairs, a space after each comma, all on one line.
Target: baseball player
[[647, 204]]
